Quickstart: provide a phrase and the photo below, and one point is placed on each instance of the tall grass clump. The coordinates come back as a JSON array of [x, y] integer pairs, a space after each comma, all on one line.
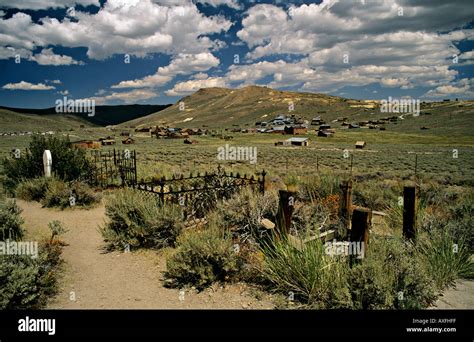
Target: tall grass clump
[[136, 220], [315, 278], [446, 258], [312, 188]]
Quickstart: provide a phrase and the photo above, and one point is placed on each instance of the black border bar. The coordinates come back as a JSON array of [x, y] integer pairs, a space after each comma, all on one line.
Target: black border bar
[[331, 323]]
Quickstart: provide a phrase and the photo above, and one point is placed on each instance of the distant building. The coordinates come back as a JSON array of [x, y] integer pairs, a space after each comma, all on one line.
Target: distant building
[[128, 141], [360, 144], [298, 141], [296, 130], [86, 144], [190, 142], [107, 141], [326, 133], [276, 130]]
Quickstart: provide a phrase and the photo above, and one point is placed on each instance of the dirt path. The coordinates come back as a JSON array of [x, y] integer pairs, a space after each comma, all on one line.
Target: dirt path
[[461, 296], [118, 280]]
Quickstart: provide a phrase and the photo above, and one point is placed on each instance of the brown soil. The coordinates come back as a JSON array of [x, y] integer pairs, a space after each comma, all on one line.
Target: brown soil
[[100, 280]]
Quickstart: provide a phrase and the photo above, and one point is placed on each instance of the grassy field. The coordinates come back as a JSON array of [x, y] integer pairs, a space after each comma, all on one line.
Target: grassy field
[[387, 153]]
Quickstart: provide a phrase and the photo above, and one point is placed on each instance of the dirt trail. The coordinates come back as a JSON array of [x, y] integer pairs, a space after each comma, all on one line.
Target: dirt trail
[[461, 296], [118, 280]]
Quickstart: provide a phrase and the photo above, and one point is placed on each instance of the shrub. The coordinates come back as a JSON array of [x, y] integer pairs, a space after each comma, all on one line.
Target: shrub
[[10, 221], [69, 163], [314, 277], [138, 221], [202, 257], [58, 194], [391, 276], [26, 282], [32, 189]]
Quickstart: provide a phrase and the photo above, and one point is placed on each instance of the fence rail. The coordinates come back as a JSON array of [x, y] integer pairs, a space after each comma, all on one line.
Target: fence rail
[[192, 184]]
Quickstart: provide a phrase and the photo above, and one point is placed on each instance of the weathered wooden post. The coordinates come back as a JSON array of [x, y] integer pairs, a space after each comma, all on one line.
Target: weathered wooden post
[[410, 205], [135, 166], [361, 221], [285, 211], [162, 190], [345, 207], [262, 182]]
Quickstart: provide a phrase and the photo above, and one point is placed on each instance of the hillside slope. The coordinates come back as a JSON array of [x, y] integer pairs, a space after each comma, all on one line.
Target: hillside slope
[[104, 115], [221, 107], [19, 122]]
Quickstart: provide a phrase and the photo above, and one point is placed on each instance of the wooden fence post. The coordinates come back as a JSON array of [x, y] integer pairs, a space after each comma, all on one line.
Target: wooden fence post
[[346, 202], [135, 166], [410, 204], [361, 221], [162, 190], [262, 182], [285, 211]]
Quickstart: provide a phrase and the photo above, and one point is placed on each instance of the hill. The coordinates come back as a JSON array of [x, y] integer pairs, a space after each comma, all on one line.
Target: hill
[[21, 122], [222, 107], [104, 115]]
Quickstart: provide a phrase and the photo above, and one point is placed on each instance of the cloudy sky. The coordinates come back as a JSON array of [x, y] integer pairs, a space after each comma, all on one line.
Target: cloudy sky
[[156, 51]]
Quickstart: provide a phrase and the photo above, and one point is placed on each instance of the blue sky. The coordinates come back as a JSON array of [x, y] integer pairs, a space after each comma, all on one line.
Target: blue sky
[[157, 51]]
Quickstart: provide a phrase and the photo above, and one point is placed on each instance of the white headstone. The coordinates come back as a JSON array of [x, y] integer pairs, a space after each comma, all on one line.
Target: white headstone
[[47, 162]]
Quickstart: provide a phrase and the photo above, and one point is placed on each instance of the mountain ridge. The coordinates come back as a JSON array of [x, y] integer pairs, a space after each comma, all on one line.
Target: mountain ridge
[[104, 115]]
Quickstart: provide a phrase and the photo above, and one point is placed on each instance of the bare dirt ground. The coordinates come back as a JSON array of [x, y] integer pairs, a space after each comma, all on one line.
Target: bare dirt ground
[[461, 296], [93, 279]]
